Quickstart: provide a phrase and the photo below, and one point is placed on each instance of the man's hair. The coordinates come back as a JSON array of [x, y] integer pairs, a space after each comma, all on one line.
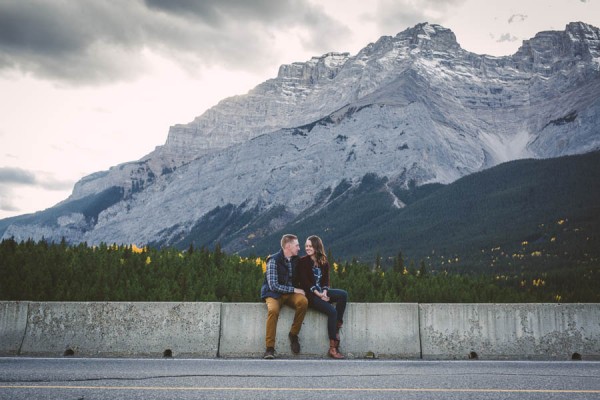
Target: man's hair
[[285, 239]]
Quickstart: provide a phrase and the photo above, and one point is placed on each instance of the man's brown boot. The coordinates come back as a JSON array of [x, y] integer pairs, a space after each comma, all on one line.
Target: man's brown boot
[[294, 343], [333, 352], [269, 353]]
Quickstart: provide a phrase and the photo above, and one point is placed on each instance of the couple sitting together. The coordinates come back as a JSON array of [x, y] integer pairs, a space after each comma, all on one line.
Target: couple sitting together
[[301, 283]]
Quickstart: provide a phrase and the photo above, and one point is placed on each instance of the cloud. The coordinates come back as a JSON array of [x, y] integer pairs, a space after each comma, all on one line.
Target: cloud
[[6, 203], [6, 199], [16, 175], [64, 41], [91, 42], [507, 37], [10, 176], [517, 18]]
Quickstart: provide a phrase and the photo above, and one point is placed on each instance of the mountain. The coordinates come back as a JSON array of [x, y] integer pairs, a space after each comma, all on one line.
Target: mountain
[[409, 111]]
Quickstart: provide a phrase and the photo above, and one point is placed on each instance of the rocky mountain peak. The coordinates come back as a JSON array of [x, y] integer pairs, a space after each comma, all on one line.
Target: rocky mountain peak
[[550, 51], [424, 39], [430, 37], [583, 31], [586, 39]]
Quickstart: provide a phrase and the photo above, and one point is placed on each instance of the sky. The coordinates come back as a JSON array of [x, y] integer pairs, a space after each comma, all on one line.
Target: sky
[[90, 84]]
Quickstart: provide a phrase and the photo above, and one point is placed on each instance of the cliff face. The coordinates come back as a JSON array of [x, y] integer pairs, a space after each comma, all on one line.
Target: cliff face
[[415, 108]]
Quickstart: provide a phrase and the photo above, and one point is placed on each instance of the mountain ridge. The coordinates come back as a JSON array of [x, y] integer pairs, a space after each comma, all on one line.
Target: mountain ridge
[[415, 108]]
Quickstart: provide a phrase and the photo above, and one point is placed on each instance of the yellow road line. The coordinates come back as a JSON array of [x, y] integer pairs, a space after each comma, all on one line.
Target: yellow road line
[[299, 389]]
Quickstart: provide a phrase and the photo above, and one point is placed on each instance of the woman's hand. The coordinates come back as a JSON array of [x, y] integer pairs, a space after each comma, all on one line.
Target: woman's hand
[[323, 296]]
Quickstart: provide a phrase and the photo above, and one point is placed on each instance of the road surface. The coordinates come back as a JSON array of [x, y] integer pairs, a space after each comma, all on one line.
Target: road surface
[[87, 379]]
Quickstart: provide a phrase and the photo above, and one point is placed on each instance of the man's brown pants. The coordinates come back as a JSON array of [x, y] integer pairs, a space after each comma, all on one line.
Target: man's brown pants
[[294, 300]]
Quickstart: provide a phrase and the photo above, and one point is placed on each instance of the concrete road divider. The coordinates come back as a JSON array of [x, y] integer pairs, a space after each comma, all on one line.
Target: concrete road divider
[[123, 329], [13, 322], [387, 330], [510, 331], [378, 330]]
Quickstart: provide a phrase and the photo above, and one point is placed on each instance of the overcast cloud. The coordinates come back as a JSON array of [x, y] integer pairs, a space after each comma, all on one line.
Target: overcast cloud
[[517, 18], [507, 37], [89, 42], [6, 201], [11, 178], [17, 176]]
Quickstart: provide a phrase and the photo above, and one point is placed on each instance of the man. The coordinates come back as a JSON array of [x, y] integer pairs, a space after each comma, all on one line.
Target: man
[[278, 289]]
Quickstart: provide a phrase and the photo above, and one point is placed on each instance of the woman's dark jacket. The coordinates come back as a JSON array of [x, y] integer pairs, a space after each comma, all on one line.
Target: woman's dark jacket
[[306, 278]]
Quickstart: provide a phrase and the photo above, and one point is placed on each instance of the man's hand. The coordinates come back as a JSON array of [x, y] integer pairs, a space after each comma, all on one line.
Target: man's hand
[[299, 291]]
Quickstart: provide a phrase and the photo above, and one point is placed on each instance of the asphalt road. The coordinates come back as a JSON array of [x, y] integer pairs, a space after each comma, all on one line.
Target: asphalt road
[[86, 379]]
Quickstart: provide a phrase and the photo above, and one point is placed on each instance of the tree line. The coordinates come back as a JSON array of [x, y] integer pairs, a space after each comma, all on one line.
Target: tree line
[[42, 271]]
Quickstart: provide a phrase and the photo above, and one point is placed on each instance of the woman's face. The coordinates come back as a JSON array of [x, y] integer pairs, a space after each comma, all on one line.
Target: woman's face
[[309, 248]]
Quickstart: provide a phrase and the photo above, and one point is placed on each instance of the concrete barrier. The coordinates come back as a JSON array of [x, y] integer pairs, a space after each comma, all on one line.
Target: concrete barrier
[[510, 331], [123, 329], [13, 323], [388, 330]]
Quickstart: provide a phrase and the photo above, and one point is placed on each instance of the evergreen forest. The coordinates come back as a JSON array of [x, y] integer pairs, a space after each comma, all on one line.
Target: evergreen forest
[[42, 271]]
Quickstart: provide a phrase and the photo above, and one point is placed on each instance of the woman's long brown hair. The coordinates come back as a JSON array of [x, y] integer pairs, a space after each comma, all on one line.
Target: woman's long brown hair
[[319, 249]]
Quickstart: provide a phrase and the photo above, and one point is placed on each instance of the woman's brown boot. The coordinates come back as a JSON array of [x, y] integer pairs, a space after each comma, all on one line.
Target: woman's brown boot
[[337, 335], [333, 352]]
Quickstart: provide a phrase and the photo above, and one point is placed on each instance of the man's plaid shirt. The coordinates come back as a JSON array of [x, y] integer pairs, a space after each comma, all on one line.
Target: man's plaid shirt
[[272, 280]]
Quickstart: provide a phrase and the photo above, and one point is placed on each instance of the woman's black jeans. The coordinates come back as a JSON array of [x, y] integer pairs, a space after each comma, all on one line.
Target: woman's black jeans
[[334, 314]]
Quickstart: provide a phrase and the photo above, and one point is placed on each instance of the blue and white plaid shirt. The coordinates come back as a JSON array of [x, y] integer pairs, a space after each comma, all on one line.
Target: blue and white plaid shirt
[[272, 280]]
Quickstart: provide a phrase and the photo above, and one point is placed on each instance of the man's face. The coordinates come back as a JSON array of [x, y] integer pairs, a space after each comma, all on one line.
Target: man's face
[[293, 248]]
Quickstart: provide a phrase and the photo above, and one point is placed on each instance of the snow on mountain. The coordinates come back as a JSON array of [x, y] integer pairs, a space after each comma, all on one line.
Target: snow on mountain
[[415, 107]]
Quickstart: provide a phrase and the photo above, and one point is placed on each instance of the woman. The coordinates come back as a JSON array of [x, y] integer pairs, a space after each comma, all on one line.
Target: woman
[[313, 277]]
